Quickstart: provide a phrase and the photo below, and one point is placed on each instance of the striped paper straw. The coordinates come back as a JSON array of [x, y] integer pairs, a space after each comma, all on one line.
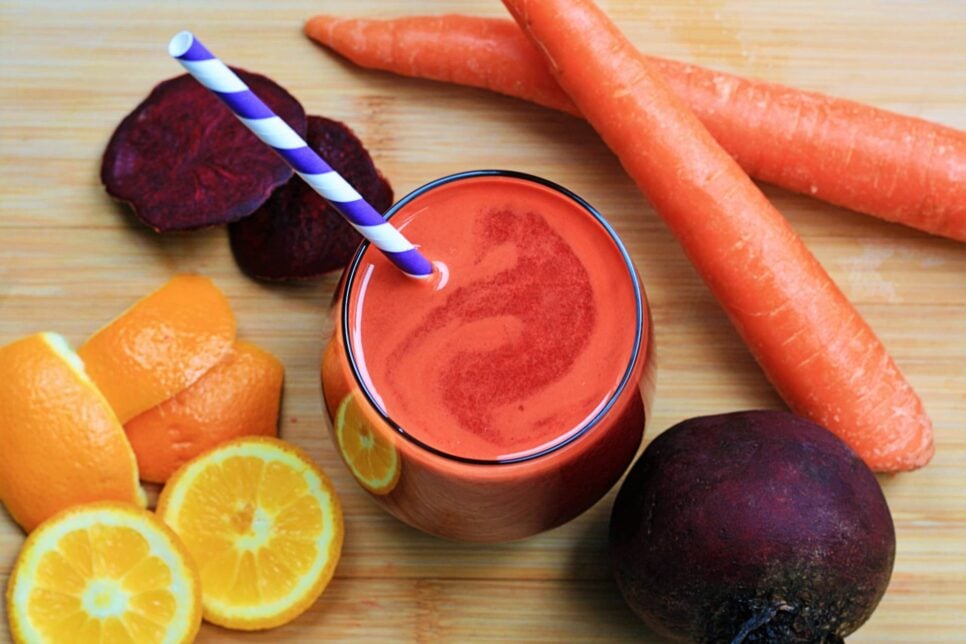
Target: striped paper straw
[[272, 130]]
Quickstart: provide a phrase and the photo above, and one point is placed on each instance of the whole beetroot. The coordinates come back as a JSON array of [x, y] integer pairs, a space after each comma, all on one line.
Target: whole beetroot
[[755, 526]]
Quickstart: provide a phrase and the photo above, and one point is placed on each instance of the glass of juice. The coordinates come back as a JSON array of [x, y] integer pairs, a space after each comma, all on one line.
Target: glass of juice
[[507, 394]]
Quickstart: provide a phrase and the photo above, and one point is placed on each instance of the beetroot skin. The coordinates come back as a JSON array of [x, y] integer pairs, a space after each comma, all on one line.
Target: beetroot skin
[[182, 160], [296, 233], [756, 526]]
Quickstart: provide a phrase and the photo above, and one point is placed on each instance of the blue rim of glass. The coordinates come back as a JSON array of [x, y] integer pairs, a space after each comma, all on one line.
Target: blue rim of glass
[[349, 278]]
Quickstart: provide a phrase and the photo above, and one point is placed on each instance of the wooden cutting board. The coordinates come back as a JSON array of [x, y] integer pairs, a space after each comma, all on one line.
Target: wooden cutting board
[[70, 259]]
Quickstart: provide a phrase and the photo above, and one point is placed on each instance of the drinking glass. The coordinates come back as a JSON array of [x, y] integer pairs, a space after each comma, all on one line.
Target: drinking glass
[[491, 498]]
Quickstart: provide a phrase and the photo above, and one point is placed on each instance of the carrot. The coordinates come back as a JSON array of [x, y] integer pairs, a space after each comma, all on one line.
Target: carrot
[[822, 357], [895, 167], [489, 53]]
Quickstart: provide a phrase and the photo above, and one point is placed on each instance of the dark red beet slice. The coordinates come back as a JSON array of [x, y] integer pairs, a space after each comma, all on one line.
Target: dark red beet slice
[[181, 160], [296, 233]]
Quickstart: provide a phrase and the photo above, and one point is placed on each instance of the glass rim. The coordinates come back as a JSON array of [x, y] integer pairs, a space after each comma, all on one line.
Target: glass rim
[[584, 429]]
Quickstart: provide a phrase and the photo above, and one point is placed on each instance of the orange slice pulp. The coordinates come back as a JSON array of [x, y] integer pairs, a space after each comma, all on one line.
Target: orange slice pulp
[[263, 523]]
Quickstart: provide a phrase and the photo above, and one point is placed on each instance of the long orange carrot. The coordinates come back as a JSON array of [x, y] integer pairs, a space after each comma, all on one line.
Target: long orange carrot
[[895, 167], [819, 353]]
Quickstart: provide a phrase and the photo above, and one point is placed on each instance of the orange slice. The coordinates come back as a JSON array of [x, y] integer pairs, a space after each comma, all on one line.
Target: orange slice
[[60, 442], [161, 345], [237, 397], [107, 572], [371, 457], [263, 523]]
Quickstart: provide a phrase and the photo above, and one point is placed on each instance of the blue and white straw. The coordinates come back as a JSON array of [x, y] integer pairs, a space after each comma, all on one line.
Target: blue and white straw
[[272, 130]]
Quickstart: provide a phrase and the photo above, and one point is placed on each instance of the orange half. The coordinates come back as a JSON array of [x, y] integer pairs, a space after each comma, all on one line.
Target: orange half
[[60, 442], [161, 345]]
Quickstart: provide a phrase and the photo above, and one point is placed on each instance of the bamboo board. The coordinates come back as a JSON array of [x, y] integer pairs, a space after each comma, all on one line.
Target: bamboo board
[[70, 259]]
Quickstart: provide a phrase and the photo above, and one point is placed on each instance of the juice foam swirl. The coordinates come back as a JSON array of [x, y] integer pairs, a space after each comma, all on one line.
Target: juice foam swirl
[[527, 340]]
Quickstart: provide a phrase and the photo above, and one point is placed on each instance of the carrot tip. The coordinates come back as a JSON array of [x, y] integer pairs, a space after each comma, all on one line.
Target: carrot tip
[[315, 25]]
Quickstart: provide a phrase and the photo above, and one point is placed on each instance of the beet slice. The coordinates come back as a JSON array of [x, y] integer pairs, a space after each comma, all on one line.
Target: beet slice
[[182, 160], [296, 233]]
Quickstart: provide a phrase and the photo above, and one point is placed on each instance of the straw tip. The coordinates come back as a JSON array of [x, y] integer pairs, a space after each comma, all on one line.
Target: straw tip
[[180, 44]]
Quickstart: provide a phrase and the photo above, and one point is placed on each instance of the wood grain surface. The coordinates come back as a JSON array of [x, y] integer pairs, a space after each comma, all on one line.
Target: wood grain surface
[[70, 259]]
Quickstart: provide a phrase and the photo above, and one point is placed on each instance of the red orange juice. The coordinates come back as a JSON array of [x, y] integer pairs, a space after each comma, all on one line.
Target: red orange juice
[[502, 397]]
